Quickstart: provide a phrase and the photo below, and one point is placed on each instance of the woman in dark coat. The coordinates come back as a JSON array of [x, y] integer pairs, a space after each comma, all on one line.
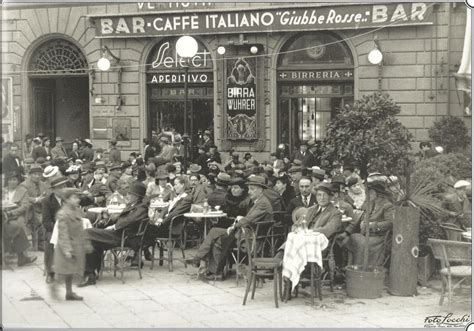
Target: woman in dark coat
[[69, 252], [237, 201]]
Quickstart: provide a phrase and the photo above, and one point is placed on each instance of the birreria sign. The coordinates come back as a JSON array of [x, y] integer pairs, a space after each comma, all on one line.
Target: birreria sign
[[262, 20]]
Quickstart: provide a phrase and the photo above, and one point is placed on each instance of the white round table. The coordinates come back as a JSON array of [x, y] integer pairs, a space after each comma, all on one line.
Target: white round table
[[211, 215]]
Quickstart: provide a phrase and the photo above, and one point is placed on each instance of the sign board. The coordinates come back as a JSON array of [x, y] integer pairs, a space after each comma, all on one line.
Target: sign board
[[241, 99], [179, 78], [165, 56], [305, 75], [144, 24]]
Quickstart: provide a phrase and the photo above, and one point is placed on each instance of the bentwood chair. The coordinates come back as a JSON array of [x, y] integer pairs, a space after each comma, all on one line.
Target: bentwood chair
[[176, 237], [448, 251], [261, 267], [121, 253]]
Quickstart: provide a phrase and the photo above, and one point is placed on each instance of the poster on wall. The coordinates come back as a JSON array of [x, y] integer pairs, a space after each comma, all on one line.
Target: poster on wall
[[122, 130], [241, 99], [7, 108]]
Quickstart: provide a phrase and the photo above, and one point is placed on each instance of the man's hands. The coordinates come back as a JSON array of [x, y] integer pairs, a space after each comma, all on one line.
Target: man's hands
[[111, 227], [68, 255]]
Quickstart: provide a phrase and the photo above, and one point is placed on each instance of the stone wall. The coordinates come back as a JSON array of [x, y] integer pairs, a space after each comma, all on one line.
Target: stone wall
[[417, 63]]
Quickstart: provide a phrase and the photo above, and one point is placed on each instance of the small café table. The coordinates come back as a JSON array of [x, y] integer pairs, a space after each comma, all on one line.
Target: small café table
[[212, 216], [303, 247]]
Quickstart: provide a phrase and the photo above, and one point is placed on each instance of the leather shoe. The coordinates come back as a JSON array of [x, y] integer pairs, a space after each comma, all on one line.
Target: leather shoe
[[24, 260], [73, 297], [49, 278], [193, 261], [147, 254], [88, 280]]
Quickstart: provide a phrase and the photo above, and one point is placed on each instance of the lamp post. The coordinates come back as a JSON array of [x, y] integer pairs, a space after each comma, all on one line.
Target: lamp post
[[187, 47], [104, 65]]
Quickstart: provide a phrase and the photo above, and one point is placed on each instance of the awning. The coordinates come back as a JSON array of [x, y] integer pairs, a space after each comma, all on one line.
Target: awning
[[463, 76]]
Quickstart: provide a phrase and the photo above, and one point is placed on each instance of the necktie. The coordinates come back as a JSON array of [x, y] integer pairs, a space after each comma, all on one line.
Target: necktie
[[306, 203]]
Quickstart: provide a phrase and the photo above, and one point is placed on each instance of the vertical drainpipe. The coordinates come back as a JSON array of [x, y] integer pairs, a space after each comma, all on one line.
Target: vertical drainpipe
[[449, 58]]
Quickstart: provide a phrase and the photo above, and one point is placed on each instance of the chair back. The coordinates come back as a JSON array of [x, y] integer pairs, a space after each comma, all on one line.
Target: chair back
[[450, 251]]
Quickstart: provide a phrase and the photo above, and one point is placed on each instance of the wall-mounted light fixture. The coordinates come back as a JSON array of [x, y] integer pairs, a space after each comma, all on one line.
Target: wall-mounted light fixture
[[221, 50], [375, 57], [104, 64]]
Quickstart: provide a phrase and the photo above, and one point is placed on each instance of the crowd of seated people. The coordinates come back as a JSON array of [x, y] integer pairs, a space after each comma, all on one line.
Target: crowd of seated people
[[246, 190]]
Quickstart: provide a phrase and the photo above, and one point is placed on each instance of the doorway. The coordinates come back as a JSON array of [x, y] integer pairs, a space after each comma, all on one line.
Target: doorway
[[60, 107]]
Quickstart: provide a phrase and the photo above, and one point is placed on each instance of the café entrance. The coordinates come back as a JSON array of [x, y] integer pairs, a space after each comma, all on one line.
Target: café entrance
[[313, 84]]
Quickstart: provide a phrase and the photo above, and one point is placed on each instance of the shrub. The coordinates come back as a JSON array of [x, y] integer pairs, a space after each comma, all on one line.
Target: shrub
[[450, 132], [367, 131]]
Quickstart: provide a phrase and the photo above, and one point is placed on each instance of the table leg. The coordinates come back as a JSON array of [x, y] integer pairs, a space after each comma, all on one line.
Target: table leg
[[205, 227]]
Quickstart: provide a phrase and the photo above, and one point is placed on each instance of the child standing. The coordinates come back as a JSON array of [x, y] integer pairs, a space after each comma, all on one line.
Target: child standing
[[69, 253]]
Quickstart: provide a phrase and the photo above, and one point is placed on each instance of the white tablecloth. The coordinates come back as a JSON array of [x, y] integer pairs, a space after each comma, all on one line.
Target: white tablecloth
[[301, 248]]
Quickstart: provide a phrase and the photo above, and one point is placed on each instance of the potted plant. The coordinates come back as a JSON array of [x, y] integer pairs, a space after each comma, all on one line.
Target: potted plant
[[360, 133]]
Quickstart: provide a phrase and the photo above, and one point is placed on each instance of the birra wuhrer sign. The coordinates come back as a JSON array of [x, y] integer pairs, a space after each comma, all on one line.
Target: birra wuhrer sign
[[211, 21], [241, 99]]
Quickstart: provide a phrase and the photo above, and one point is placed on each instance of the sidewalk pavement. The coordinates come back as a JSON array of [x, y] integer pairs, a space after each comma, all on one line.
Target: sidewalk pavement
[[177, 299]]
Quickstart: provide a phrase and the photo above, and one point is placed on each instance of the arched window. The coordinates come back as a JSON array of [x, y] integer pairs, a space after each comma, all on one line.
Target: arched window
[[318, 48], [315, 79], [58, 56]]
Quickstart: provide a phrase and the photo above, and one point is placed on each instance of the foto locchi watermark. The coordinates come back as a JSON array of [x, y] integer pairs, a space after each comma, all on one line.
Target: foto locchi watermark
[[449, 320]]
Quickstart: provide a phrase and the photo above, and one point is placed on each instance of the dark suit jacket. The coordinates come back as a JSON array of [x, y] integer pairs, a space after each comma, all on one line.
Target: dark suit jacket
[[288, 195], [261, 210], [148, 153], [298, 202], [50, 207], [181, 207], [327, 222], [297, 155], [132, 216], [98, 189], [309, 160], [9, 165], [274, 198], [217, 198], [39, 151]]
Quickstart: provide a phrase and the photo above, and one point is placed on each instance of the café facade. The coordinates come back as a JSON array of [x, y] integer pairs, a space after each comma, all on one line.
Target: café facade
[[263, 74]]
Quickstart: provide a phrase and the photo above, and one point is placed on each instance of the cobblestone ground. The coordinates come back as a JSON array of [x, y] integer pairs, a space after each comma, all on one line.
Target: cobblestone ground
[[178, 299]]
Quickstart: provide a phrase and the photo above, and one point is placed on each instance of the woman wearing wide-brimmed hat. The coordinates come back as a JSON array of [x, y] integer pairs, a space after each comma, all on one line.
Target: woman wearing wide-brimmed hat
[[378, 219]]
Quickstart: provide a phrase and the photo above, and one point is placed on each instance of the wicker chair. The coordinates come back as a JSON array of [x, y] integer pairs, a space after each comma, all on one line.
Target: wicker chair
[[447, 251]]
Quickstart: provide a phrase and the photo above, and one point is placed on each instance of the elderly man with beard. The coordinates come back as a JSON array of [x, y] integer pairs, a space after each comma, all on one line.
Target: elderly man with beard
[[219, 241], [131, 217]]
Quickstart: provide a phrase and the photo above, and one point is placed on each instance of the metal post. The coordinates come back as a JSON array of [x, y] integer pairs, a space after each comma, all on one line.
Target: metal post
[[186, 142]]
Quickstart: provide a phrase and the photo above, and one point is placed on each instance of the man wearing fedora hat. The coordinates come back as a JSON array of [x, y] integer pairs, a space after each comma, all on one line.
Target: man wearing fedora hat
[[301, 152], [87, 153], [13, 235], [310, 159], [218, 196], [50, 206], [219, 241], [36, 189], [130, 218], [58, 150], [378, 220], [115, 171]]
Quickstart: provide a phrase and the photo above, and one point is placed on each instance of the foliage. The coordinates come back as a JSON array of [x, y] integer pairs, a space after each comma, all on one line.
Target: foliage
[[450, 132], [366, 131], [451, 167]]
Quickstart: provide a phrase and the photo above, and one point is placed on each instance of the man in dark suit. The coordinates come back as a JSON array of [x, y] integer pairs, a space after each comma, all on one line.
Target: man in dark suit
[[12, 163], [310, 158], [219, 241], [324, 217], [50, 206], [159, 227], [148, 151], [131, 217], [301, 152], [304, 199]]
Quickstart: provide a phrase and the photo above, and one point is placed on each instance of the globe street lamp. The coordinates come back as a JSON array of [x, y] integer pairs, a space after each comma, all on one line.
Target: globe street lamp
[[187, 47]]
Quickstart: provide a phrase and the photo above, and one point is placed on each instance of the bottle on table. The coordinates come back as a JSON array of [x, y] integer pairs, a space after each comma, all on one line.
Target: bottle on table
[[205, 207]]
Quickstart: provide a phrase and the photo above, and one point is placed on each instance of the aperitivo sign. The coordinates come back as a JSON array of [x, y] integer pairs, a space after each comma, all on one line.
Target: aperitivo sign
[[145, 24]]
